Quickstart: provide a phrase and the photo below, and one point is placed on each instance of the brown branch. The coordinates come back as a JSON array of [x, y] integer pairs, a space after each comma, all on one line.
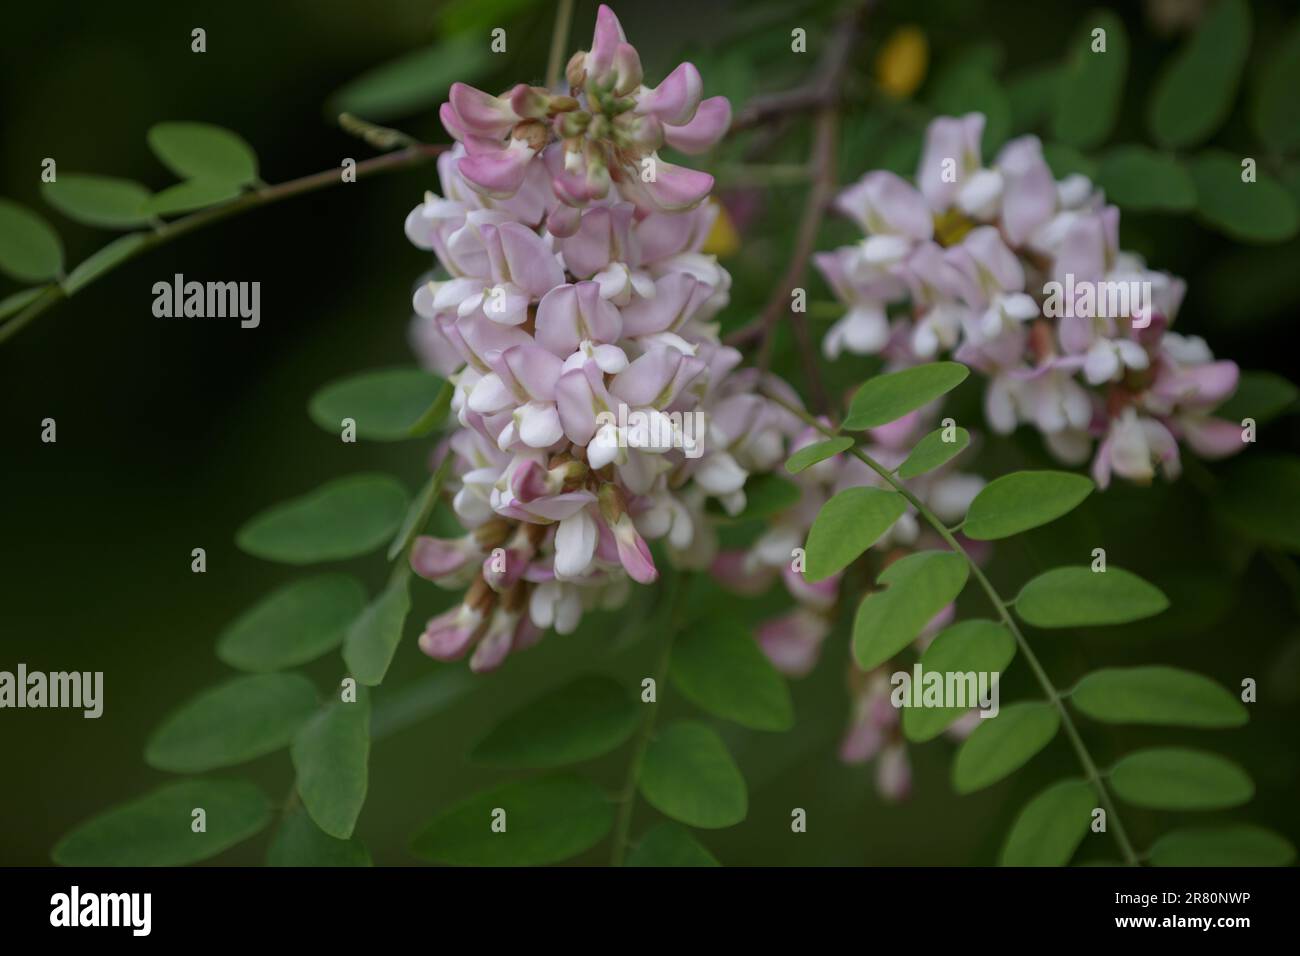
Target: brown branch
[[55, 293], [825, 138], [822, 90]]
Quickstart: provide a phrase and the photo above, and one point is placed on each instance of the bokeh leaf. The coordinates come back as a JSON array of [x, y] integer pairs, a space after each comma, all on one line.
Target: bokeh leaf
[[668, 844], [767, 495], [1081, 597], [932, 451], [1262, 396], [294, 624], [387, 405], [547, 819], [340, 519], [238, 720], [30, 251], [371, 641], [1194, 94], [1261, 211], [1142, 180], [846, 526], [1176, 778], [969, 86], [1003, 744], [1051, 826], [1241, 844], [1258, 497], [1091, 87], [919, 586], [1023, 500], [331, 755], [204, 152], [299, 842], [887, 398], [584, 719], [719, 667], [1156, 695], [1276, 112], [967, 646], [157, 829], [810, 455], [1066, 160], [687, 774], [104, 201], [416, 81]]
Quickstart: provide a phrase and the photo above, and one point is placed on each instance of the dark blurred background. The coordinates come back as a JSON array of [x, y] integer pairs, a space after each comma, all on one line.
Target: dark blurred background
[[172, 432]]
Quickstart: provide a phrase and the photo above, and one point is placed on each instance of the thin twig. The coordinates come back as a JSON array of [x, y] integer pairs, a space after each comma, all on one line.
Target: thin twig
[[823, 94], [819, 196], [559, 41], [822, 90], [1093, 774], [412, 155]]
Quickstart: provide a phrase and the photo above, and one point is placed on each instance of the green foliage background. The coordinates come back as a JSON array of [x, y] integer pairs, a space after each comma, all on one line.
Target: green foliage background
[[173, 432]]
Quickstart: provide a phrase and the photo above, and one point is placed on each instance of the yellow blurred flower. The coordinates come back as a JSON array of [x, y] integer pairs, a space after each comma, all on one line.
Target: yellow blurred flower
[[722, 240], [901, 63]]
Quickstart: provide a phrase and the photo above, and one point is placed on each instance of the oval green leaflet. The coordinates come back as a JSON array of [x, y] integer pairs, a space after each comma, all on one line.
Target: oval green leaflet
[[917, 588], [1023, 500], [1176, 778], [1002, 744], [887, 398], [846, 526], [1080, 597], [1156, 695], [236, 721]]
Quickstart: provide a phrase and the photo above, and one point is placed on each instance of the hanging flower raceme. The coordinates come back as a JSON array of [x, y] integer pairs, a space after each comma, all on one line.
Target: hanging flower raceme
[[597, 409], [1020, 276]]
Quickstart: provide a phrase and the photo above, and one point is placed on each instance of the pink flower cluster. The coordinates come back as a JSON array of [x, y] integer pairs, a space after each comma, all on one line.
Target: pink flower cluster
[[1020, 276], [597, 408]]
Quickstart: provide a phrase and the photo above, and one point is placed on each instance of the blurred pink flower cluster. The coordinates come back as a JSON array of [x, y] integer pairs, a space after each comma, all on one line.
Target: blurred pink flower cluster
[[597, 408], [1020, 276]]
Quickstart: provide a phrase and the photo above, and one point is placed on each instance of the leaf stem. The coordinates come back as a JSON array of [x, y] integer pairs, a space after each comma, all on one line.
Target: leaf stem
[[412, 155], [627, 796], [1094, 776]]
